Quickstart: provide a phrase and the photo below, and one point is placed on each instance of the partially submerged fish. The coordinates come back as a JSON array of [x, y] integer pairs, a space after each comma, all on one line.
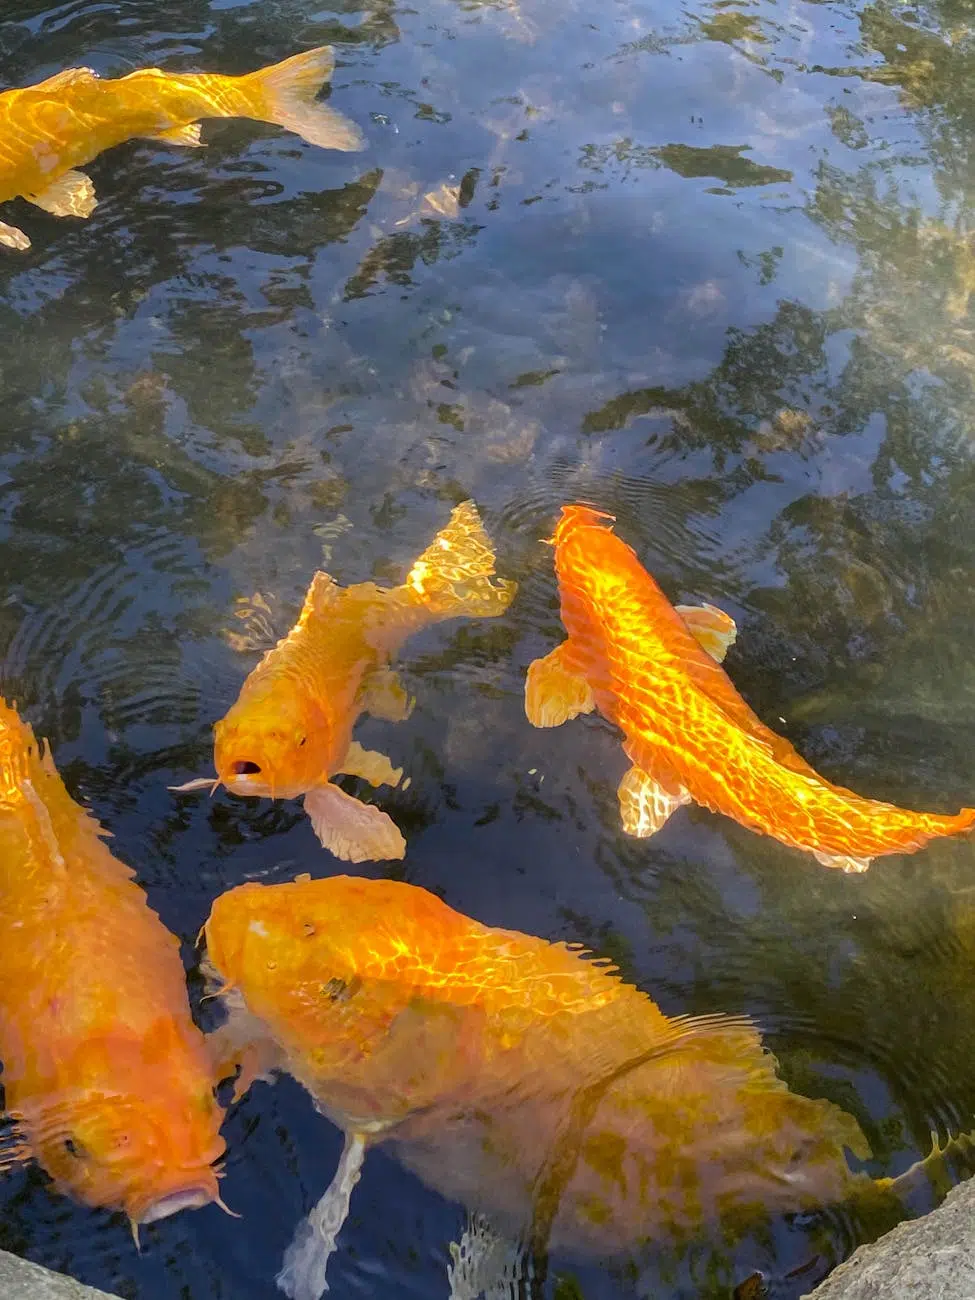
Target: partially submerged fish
[[290, 730], [653, 669], [519, 1077], [106, 1078], [49, 130]]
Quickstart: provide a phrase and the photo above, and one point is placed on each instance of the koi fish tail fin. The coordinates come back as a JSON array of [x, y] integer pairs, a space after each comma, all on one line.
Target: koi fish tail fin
[[927, 1182], [910, 832], [453, 575], [284, 94]]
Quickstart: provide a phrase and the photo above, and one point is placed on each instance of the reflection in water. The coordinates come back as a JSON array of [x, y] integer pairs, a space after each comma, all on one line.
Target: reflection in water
[[255, 351], [518, 1077]]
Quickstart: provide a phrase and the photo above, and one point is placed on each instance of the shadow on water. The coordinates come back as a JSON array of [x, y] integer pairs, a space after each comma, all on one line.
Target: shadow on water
[[708, 265]]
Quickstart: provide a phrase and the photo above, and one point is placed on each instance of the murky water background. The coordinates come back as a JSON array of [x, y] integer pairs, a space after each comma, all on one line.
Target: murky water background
[[711, 267]]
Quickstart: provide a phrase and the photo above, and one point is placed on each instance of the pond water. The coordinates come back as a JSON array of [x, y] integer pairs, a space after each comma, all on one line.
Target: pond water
[[711, 268]]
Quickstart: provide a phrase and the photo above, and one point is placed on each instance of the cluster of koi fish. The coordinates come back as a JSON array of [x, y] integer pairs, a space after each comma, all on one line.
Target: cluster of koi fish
[[501, 1068], [481, 1055]]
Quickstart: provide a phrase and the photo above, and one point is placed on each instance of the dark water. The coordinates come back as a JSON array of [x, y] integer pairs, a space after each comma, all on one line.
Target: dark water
[[711, 268]]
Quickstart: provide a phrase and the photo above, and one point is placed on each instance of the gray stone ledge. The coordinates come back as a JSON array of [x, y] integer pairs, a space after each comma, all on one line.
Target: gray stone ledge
[[931, 1258], [22, 1280]]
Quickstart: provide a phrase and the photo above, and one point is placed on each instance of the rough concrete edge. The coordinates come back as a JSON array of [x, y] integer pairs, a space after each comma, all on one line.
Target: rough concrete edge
[[930, 1258], [22, 1280]]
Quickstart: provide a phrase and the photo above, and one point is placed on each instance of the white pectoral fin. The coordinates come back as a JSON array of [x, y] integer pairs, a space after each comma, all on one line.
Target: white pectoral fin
[[842, 862], [71, 195], [187, 136], [645, 805], [713, 629], [555, 693], [11, 237], [370, 765], [302, 1275], [353, 831]]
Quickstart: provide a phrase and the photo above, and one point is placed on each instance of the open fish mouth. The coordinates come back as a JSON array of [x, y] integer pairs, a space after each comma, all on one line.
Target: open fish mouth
[[186, 1198]]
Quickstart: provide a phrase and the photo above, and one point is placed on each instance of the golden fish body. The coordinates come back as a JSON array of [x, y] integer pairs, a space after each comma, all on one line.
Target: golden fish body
[[49, 130], [654, 670], [104, 1072], [290, 729], [517, 1076]]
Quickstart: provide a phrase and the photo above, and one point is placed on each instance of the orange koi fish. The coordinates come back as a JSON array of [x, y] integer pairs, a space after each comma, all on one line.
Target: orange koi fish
[[653, 670], [49, 130], [291, 727], [519, 1077], [107, 1079]]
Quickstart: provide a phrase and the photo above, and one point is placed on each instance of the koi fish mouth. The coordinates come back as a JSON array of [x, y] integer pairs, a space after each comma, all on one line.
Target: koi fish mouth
[[186, 1198]]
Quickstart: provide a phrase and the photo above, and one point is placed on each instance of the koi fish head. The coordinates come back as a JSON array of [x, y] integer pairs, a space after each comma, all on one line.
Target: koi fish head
[[149, 1153], [277, 746]]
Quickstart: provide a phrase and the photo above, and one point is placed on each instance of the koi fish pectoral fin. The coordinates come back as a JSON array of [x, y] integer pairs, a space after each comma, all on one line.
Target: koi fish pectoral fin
[[645, 805], [843, 862], [188, 136], [11, 237], [353, 831], [485, 1263], [256, 1058], [713, 629], [71, 195], [555, 693], [383, 695], [302, 1275], [370, 765]]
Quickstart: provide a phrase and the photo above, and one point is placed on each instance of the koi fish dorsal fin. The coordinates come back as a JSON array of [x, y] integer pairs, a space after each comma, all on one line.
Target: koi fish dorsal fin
[[285, 95], [67, 77], [453, 575], [554, 693], [713, 629], [322, 592]]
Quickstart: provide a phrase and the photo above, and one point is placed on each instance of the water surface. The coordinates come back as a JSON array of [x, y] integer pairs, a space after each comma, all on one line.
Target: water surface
[[710, 266]]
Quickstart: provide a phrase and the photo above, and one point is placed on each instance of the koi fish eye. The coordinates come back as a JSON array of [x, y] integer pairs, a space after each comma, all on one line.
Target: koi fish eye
[[245, 768], [75, 1148], [302, 741]]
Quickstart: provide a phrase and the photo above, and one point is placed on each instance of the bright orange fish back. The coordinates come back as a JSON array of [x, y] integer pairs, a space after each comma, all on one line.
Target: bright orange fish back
[[105, 1073], [654, 669], [48, 130], [518, 1076]]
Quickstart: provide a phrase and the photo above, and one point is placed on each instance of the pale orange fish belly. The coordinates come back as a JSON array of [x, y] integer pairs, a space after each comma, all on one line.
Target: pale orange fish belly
[[687, 726]]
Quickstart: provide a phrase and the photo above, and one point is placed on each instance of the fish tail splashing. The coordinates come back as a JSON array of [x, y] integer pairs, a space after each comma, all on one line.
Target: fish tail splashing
[[453, 575]]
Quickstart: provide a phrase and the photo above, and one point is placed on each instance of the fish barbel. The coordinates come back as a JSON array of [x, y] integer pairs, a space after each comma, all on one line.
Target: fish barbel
[[521, 1078], [653, 669], [106, 1078], [49, 130], [291, 727]]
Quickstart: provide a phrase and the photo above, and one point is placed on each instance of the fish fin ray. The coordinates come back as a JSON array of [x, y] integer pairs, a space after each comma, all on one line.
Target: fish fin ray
[[288, 91], [843, 862], [12, 237], [453, 575], [554, 693], [302, 1275], [71, 195], [321, 593], [370, 765], [15, 1149], [352, 830], [713, 629], [485, 1263], [67, 77], [383, 695], [190, 137], [645, 805]]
